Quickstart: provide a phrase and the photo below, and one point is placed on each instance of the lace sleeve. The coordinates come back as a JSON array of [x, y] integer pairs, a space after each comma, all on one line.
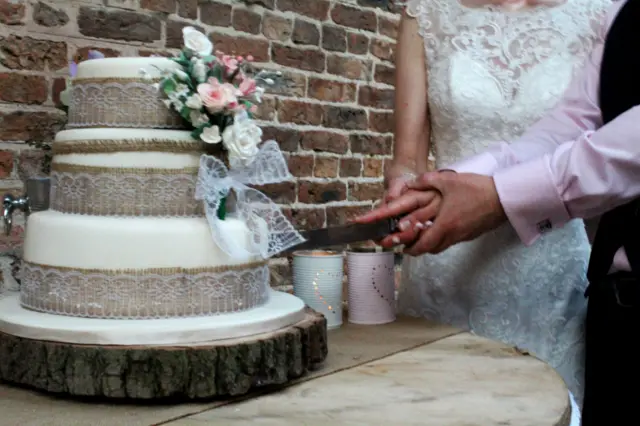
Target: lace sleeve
[[412, 8]]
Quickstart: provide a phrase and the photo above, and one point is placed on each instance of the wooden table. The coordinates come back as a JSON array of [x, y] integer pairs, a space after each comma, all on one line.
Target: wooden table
[[406, 373], [459, 380]]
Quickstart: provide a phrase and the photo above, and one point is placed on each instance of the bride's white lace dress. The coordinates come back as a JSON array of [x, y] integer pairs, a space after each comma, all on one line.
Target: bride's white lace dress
[[492, 73]]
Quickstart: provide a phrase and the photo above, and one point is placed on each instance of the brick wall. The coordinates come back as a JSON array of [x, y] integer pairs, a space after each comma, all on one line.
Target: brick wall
[[334, 121]]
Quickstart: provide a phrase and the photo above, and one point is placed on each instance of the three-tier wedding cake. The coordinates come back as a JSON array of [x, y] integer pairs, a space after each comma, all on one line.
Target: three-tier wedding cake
[[134, 252]]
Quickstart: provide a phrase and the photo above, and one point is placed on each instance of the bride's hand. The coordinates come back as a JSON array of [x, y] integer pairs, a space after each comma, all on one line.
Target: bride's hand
[[396, 177]]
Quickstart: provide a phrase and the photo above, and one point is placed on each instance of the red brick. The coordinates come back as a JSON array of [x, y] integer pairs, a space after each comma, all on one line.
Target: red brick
[[381, 122], [385, 74], [326, 167], [27, 53], [388, 26], [388, 5], [331, 91], [267, 4], [382, 49], [334, 38], [288, 139], [30, 126], [325, 142], [350, 167], [316, 9], [371, 144], [365, 191], [24, 89], [353, 17], [14, 241], [6, 164], [214, 13], [305, 32], [312, 218], [372, 167], [119, 25], [301, 165], [11, 12], [303, 59], [246, 21], [276, 27], [49, 16], [238, 45], [375, 97], [345, 118], [281, 193], [358, 43], [341, 215], [188, 9], [300, 112], [58, 86], [164, 6], [295, 84], [349, 67], [321, 192]]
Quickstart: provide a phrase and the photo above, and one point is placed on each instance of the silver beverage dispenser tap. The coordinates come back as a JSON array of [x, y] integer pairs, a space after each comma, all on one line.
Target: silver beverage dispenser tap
[[35, 199]]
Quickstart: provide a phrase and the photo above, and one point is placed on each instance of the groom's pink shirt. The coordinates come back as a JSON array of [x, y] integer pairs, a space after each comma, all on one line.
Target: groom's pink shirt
[[568, 165]]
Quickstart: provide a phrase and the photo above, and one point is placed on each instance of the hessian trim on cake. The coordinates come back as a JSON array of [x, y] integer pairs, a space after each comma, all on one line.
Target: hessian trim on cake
[[106, 146], [119, 102], [144, 293], [107, 191]]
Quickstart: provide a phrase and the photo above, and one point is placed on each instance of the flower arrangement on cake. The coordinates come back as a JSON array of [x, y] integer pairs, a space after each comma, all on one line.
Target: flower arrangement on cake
[[217, 94]]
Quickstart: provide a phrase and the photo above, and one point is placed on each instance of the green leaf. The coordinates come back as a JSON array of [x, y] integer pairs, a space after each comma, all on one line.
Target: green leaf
[[222, 209], [185, 113], [198, 130], [168, 85]]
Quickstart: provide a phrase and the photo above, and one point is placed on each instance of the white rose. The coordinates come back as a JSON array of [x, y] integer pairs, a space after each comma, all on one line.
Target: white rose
[[197, 42], [211, 135], [200, 71], [194, 102], [241, 140], [181, 75]]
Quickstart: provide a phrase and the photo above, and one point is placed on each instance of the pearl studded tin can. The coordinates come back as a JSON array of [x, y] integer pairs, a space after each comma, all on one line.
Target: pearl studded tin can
[[371, 287], [317, 280]]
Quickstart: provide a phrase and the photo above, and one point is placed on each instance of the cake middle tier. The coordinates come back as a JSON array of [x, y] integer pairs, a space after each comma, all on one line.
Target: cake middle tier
[[110, 267], [125, 172]]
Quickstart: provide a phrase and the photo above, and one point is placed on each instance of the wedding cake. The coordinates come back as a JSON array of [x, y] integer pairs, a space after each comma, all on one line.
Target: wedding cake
[[140, 245]]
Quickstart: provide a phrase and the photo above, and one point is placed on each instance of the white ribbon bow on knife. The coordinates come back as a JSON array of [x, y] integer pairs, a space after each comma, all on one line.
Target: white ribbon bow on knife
[[270, 230]]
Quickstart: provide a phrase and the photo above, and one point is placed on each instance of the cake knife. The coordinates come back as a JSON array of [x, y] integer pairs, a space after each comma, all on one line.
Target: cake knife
[[345, 234]]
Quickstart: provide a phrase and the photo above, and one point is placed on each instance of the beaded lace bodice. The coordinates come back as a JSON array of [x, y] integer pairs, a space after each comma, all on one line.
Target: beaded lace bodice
[[493, 73]]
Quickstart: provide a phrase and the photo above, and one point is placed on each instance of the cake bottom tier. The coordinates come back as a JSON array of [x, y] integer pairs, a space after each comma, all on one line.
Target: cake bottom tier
[[280, 311], [136, 268]]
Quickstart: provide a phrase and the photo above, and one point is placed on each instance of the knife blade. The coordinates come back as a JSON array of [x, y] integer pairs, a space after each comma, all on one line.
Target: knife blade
[[345, 234]]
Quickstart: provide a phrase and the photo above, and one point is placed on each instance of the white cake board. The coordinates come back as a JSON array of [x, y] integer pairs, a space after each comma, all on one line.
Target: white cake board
[[281, 311]]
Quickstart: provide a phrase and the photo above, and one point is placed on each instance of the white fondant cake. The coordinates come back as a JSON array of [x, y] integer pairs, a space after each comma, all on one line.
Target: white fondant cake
[[125, 241]]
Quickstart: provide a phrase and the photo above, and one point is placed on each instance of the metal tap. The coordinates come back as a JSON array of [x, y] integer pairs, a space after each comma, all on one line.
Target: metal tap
[[35, 199]]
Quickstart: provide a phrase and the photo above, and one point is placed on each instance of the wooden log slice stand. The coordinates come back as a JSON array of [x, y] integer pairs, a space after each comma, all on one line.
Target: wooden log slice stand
[[217, 369]]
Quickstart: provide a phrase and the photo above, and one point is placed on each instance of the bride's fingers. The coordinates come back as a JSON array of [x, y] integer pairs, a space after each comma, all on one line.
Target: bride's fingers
[[405, 236], [420, 216], [431, 240]]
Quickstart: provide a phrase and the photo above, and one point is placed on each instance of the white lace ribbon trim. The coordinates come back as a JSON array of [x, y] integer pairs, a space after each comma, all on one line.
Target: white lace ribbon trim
[[143, 293], [119, 103], [270, 230], [124, 192]]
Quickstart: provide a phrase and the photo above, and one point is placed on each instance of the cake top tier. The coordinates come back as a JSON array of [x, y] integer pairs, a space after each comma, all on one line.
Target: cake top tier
[[124, 67]]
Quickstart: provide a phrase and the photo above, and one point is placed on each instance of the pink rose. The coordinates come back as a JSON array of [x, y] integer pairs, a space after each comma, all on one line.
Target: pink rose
[[247, 86], [217, 97], [230, 63]]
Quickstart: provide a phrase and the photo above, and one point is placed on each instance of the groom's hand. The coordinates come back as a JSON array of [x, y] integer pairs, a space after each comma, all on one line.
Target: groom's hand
[[470, 207]]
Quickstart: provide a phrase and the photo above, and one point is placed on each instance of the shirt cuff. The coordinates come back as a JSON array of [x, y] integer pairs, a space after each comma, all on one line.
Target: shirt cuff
[[530, 199], [482, 164]]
